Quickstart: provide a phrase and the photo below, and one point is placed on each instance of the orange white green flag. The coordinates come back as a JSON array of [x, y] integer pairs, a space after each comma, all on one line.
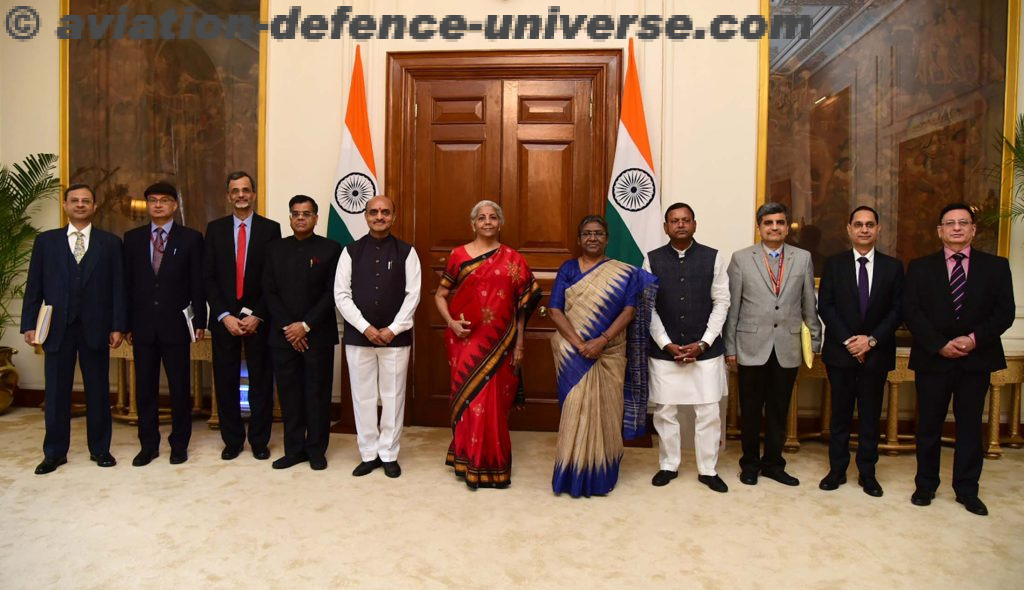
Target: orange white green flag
[[634, 202], [356, 179]]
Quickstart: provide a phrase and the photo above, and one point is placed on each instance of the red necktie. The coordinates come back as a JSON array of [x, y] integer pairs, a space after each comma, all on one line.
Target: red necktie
[[240, 263]]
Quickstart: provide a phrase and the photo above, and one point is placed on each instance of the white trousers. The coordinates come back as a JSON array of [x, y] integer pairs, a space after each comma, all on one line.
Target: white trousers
[[707, 435], [378, 373]]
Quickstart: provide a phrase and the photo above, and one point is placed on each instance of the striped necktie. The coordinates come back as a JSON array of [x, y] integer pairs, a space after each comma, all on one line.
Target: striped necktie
[[957, 283]]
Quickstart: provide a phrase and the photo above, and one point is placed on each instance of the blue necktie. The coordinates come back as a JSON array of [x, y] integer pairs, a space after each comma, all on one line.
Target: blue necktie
[[957, 282], [862, 285]]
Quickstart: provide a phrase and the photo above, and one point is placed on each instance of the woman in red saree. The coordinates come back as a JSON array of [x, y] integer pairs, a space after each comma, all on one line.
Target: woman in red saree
[[486, 295]]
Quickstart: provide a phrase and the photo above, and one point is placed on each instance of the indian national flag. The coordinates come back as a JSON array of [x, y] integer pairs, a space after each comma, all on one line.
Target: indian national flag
[[356, 180], [634, 202]]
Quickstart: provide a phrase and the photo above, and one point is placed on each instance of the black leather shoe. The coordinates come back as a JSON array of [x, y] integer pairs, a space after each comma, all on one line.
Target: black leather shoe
[[103, 459], [288, 461], [50, 464], [230, 453], [870, 485], [262, 453], [317, 463], [392, 469], [832, 481], [781, 477], [366, 467], [748, 478], [178, 457], [144, 457], [662, 477], [922, 497], [714, 482], [973, 504]]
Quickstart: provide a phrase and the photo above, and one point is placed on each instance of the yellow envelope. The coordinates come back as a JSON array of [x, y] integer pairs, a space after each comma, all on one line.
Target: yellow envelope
[[805, 341]]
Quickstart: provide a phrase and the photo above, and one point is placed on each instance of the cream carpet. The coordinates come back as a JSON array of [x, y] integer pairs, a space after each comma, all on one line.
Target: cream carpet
[[216, 524]]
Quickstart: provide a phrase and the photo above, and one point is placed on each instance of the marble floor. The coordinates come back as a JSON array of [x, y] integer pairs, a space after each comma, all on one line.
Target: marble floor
[[215, 524]]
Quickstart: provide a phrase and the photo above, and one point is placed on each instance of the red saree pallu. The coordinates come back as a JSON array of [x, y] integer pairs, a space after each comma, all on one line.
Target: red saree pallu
[[489, 291]]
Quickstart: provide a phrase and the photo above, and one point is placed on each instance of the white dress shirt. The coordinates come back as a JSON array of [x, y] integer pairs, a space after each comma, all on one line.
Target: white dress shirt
[[72, 238], [870, 265]]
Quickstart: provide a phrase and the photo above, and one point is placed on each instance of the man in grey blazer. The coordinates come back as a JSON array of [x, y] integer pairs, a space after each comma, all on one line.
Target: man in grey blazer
[[772, 291]]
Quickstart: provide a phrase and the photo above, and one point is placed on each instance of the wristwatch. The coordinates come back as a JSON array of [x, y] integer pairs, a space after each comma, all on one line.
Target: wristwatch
[[702, 345], [872, 341]]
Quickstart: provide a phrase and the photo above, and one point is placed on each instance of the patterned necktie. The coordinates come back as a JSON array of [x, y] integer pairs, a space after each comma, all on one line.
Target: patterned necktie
[[79, 249], [240, 263], [158, 249], [957, 282], [862, 285]]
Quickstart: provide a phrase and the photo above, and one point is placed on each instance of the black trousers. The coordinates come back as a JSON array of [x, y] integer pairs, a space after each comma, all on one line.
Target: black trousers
[[861, 387], [59, 370], [227, 362], [766, 388], [175, 356], [305, 380], [934, 390]]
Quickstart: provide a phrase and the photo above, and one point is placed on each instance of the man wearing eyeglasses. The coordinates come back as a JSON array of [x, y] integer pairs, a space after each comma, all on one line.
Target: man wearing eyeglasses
[[377, 289], [771, 288], [687, 365], [163, 263], [234, 253], [297, 283], [860, 300], [957, 304]]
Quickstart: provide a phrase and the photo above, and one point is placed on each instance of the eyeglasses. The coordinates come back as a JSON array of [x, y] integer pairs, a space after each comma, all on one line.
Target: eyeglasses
[[951, 223], [593, 234], [153, 201], [298, 214]]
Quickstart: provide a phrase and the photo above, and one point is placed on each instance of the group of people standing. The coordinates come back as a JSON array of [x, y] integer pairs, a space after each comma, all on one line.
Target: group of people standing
[[668, 329]]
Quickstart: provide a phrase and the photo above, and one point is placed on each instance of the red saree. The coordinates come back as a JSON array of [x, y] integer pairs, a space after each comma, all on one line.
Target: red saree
[[489, 291]]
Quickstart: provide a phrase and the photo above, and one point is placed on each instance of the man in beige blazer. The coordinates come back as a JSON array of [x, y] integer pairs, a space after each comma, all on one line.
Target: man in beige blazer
[[772, 292]]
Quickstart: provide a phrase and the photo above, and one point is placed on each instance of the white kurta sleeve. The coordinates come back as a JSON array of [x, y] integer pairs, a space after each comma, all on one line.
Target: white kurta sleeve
[[658, 332], [403, 320], [720, 300], [343, 294]]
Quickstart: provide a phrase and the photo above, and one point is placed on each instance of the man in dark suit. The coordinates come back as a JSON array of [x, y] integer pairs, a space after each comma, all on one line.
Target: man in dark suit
[[235, 251], [957, 303], [163, 263], [860, 300], [76, 269], [298, 281]]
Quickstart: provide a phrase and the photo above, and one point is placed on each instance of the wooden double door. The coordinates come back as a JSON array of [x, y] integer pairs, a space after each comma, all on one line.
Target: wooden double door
[[533, 131]]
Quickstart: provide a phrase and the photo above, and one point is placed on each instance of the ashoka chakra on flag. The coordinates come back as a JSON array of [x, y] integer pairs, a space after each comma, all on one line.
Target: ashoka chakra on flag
[[353, 191], [634, 189]]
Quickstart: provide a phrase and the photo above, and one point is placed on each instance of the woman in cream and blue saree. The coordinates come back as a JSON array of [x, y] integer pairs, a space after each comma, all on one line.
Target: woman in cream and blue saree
[[602, 309]]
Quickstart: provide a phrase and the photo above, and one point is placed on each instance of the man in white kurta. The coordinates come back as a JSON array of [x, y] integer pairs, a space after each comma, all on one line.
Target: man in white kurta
[[687, 364], [377, 288]]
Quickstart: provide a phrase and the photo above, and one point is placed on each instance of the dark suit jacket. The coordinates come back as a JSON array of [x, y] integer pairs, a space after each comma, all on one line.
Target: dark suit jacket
[[219, 267], [156, 301], [50, 271], [988, 311], [299, 285], [839, 308]]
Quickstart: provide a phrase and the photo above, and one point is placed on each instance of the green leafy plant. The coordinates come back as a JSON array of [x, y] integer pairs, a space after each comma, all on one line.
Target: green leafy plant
[[1015, 145], [23, 186]]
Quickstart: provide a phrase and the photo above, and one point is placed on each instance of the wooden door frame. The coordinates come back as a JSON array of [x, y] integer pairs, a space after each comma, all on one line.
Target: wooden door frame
[[603, 67]]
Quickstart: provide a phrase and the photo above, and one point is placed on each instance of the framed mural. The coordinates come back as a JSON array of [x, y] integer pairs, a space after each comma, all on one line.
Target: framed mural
[[896, 104], [138, 111]]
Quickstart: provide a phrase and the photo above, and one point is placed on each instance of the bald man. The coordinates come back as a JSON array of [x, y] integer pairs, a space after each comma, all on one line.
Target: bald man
[[377, 288]]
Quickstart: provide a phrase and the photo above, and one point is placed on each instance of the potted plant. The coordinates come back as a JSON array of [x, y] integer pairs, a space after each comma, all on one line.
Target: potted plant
[[23, 186]]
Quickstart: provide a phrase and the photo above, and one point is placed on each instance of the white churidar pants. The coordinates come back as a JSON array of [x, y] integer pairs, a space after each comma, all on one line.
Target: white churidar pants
[[378, 373], [707, 433]]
